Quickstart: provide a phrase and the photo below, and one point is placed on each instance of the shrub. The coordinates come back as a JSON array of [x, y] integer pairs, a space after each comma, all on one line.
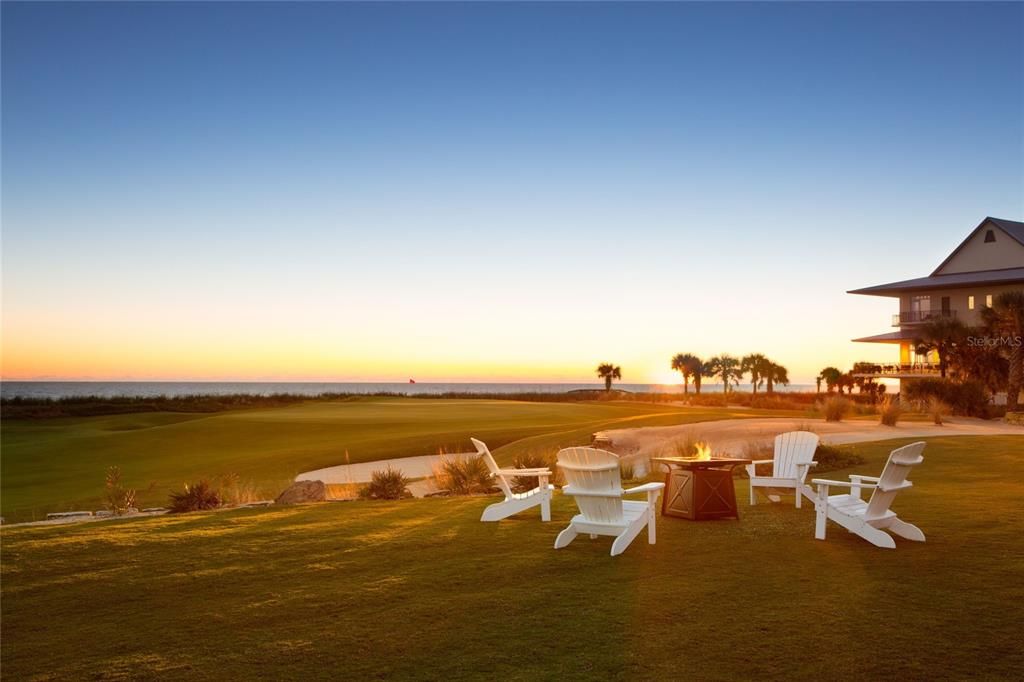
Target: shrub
[[968, 398], [196, 497], [535, 460], [116, 497], [835, 408], [463, 476], [937, 409], [389, 484], [831, 457], [890, 411]]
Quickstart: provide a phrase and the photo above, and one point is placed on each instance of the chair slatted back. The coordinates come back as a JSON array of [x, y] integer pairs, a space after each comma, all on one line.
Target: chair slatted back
[[893, 478], [791, 449], [482, 448], [596, 474]]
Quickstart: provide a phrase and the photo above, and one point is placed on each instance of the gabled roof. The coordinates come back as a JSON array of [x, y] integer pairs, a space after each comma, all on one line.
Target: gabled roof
[[1010, 227], [957, 279]]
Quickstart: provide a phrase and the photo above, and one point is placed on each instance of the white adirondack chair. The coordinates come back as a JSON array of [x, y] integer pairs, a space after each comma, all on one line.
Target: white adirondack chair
[[873, 518], [515, 502], [592, 478], [794, 456]]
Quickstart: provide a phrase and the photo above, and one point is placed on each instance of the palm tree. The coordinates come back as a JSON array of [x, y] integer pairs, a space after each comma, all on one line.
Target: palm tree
[[609, 372], [943, 335], [698, 372], [817, 383], [832, 377], [756, 365], [689, 366], [776, 374], [1006, 316], [725, 366]]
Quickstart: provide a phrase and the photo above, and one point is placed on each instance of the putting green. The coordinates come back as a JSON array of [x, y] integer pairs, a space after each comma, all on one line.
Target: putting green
[[59, 464]]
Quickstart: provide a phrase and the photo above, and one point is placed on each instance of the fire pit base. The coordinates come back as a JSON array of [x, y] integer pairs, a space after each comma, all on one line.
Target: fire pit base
[[700, 490]]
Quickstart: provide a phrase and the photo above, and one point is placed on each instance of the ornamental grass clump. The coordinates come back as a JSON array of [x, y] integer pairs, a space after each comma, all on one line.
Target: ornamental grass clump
[[463, 476], [937, 409], [534, 460], [831, 458], [835, 408], [386, 484], [890, 411], [196, 497], [117, 498]]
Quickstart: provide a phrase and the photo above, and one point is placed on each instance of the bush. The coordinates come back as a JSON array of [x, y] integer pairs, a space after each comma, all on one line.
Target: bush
[[969, 398], [389, 484], [831, 457], [197, 497], [116, 497], [890, 411], [534, 460], [937, 410], [835, 408], [463, 476]]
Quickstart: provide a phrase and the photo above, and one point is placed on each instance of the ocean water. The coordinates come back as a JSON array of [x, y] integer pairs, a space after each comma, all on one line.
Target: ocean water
[[149, 389]]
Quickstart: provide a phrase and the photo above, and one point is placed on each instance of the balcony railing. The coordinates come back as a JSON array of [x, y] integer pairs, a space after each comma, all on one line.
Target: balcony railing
[[870, 369], [920, 316]]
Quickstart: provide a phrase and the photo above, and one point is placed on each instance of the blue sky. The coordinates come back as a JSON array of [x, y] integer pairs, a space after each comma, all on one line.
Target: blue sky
[[482, 191]]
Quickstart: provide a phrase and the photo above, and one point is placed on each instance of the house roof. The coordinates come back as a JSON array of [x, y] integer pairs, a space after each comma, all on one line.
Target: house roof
[[957, 279], [1010, 227], [891, 337]]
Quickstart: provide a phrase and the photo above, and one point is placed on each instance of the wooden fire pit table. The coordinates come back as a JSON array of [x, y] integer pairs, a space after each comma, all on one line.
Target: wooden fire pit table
[[700, 489]]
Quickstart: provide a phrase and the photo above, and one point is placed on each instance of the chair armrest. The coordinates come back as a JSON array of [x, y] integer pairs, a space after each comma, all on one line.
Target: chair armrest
[[752, 467], [858, 477], [645, 488], [848, 484], [524, 472], [812, 463]]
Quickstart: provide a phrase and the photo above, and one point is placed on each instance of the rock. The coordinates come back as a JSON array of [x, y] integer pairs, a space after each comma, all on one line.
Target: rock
[[69, 515], [303, 491]]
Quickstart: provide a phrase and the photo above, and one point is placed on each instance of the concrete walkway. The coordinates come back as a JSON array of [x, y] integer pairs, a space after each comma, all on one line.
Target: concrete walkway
[[740, 436], [413, 467]]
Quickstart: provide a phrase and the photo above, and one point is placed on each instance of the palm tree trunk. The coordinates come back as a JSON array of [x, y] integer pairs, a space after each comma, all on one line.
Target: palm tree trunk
[[770, 387], [696, 383], [608, 383], [1013, 389], [686, 384]]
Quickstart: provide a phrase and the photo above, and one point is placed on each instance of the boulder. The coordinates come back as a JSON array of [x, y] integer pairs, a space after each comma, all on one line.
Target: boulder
[[303, 491]]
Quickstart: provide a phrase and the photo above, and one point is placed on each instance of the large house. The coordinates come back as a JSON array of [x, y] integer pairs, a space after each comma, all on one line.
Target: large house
[[988, 262]]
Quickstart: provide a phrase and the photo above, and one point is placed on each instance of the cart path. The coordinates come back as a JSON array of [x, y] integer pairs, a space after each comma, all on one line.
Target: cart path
[[737, 436]]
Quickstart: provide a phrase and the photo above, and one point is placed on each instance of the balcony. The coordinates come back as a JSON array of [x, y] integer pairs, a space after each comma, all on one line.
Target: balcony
[[912, 317], [896, 371]]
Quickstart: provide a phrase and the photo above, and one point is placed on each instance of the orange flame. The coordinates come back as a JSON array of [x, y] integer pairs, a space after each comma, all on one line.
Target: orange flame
[[703, 452]]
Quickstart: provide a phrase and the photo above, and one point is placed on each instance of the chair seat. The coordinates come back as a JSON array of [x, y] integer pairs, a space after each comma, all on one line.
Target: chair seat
[[851, 505], [529, 493], [772, 482]]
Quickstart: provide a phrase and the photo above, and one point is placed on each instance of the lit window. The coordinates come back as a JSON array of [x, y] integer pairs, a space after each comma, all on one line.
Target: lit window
[[988, 300], [970, 303]]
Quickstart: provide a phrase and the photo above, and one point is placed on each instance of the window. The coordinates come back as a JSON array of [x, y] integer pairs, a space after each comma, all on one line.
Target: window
[[990, 236], [988, 300], [970, 303]]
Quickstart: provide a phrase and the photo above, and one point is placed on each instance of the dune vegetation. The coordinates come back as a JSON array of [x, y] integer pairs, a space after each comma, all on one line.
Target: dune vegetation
[[59, 464], [422, 589]]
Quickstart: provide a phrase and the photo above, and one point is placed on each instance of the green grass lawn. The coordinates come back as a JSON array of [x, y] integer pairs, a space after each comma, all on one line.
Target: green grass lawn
[[421, 589], [59, 464]]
